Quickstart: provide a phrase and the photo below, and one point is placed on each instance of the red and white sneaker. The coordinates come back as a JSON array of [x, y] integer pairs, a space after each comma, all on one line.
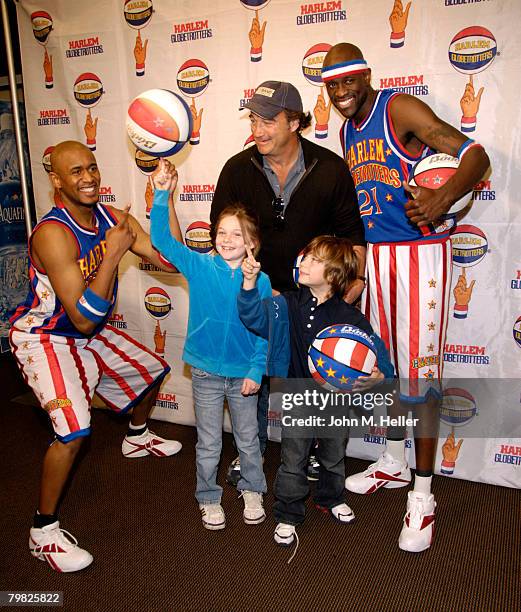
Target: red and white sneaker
[[149, 443], [418, 524], [59, 548], [386, 472]]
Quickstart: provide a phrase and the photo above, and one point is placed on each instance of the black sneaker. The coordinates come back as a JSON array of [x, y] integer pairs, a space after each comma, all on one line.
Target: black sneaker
[[233, 475], [313, 468]]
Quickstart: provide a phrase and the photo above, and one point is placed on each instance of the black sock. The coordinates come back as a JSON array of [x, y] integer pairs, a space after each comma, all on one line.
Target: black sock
[[134, 431], [42, 520], [423, 473]]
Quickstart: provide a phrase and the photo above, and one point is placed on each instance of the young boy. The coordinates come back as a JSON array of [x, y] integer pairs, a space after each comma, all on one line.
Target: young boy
[[291, 321]]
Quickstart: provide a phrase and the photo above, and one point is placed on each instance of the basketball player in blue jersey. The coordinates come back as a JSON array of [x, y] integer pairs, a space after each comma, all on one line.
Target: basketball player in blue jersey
[[408, 264], [64, 347]]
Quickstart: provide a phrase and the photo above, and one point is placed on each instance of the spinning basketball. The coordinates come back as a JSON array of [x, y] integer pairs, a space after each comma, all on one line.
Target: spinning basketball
[[159, 122], [433, 172], [339, 355]]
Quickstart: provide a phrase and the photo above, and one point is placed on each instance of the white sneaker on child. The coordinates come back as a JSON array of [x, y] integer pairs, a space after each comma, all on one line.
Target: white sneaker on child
[[213, 516], [253, 509], [284, 534]]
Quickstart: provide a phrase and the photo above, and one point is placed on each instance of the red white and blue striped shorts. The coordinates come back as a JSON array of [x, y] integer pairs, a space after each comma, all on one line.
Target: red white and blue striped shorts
[[64, 373], [406, 301]]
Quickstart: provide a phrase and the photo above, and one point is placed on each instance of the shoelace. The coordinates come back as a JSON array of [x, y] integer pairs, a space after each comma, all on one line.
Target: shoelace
[[416, 513], [296, 548], [247, 498], [56, 537]]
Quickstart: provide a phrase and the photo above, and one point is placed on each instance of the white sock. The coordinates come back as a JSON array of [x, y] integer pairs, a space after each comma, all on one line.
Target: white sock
[[422, 484], [396, 448]]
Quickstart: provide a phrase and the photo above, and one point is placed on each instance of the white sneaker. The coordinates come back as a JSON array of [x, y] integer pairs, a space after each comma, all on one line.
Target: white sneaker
[[149, 443], [284, 534], [385, 473], [59, 548], [418, 524], [253, 509], [213, 516], [343, 513]]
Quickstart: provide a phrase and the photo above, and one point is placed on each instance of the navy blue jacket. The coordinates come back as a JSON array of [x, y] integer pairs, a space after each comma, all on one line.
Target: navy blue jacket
[[269, 318]]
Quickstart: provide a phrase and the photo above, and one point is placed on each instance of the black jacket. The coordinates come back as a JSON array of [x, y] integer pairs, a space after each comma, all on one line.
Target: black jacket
[[323, 202]]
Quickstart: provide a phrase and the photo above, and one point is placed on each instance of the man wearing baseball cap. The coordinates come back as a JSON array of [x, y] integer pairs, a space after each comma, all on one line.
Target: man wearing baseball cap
[[298, 190]]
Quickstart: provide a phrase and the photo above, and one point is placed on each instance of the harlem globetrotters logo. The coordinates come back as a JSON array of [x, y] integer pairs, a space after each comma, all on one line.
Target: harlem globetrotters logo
[[88, 90], [193, 78], [42, 26], [257, 31], [471, 51], [312, 71], [469, 247], [138, 14]]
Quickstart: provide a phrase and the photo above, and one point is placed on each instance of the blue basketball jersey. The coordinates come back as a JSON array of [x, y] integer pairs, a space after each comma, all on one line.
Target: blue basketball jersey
[[42, 312], [379, 163]]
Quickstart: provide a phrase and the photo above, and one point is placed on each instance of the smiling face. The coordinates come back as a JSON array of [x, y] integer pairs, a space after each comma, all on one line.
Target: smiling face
[[273, 137], [350, 94], [229, 241], [75, 174]]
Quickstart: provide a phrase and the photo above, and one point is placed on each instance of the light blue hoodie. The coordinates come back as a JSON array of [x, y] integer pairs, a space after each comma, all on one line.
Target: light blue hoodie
[[216, 340]]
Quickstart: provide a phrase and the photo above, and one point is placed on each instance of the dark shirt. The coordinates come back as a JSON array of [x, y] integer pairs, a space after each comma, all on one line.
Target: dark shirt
[[307, 319], [323, 202]]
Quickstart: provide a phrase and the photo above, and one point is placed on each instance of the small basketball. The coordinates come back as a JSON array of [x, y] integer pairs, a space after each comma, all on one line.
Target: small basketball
[[433, 172], [339, 355], [159, 122]]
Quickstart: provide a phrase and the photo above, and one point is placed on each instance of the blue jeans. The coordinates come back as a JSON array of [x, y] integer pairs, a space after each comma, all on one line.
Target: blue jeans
[[291, 487], [209, 392]]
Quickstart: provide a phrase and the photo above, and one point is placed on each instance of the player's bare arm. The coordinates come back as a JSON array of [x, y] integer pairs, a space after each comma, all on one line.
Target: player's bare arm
[[416, 124], [54, 251], [142, 246]]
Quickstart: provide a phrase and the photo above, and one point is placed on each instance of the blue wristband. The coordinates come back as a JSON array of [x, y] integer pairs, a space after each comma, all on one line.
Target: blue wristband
[[92, 306], [465, 147]]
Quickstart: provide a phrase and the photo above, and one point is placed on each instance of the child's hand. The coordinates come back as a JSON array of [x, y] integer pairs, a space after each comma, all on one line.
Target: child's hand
[[165, 177], [250, 269], [249, 387], [364, 383]]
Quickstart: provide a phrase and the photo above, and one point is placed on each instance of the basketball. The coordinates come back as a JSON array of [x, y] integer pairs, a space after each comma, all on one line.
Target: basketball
[[339, 355], [157, 303], [197, 237], [88, 89], [159, 122], [296, 267], [458, 407], [433, 172]]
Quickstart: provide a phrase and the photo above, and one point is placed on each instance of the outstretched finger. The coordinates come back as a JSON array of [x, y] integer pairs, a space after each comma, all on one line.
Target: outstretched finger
[[478, 97]]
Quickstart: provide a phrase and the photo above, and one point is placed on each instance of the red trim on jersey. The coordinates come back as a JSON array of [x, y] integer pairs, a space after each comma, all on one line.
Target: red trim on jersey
[[41, 224], [396, 140], [414, 316]]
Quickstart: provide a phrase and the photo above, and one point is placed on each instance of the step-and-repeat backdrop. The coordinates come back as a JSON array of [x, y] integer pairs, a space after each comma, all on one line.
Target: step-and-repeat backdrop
[[83, 62]]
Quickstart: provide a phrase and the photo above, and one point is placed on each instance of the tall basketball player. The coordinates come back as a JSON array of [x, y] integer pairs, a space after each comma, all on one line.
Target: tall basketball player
[[408, 265]]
